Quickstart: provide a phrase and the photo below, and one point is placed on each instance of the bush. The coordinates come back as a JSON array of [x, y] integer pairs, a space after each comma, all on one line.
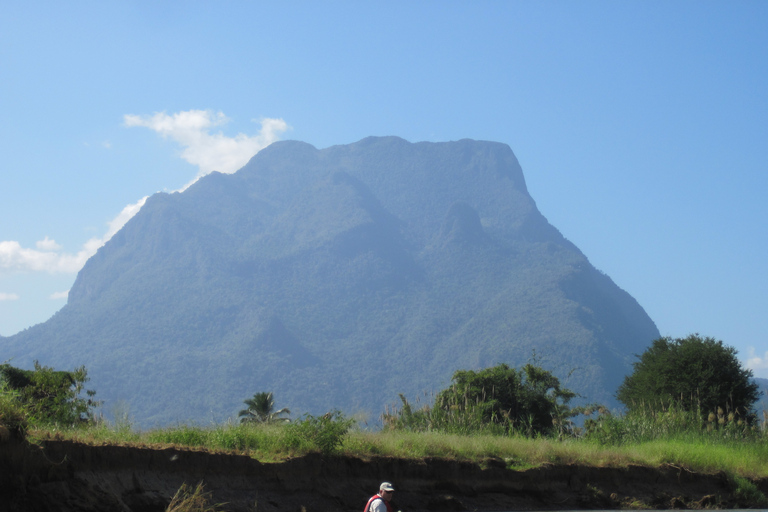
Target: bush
[[448, 420], [324, 433], [497, 400], [747, 493], [13, 416], [49, 396]]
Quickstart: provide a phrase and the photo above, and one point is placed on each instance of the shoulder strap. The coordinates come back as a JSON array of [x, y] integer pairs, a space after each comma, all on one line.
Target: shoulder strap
[[371, 500]]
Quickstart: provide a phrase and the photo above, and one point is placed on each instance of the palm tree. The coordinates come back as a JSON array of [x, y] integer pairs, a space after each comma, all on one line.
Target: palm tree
[[260, 410]]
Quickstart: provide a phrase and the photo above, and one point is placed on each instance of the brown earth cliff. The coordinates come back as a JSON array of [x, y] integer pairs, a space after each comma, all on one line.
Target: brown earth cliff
[[66, 476]]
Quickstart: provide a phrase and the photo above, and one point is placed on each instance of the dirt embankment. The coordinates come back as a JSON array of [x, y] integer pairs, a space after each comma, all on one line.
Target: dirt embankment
[[65, 476]]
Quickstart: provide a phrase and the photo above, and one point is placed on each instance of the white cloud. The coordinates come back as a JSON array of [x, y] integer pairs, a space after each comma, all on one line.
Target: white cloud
[[15, 257], [48, 256], [59, 295], [8, 296], [209, 151], [124, 216], [47, 245], [756, 362]]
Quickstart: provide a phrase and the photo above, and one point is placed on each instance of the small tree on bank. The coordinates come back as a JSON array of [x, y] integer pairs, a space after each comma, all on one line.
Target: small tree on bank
[[694, 373]]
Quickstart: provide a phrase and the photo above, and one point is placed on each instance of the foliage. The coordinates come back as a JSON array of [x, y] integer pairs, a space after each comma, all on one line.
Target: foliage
[[261, 410], [50, 396], [494, 400], [747, 494], [13, 416], [672, 421], [437, 419], [187, 499], [324, 433], [697, 373]]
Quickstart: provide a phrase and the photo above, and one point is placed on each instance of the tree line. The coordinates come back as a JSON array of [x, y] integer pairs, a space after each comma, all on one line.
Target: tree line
[[695, 377]]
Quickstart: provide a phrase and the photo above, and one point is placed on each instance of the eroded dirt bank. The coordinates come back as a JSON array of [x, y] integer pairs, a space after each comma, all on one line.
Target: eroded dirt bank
[[65, 476]]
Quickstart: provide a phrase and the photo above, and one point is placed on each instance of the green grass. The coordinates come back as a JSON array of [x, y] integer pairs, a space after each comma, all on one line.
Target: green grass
[[746, 459]]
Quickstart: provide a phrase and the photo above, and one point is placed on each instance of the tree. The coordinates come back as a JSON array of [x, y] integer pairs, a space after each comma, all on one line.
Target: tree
[[51, 396], [695, 373], [529, 400], [261, 410]]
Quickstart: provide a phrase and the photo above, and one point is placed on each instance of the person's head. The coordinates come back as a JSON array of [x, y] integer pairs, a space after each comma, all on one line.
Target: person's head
[[386, 490]]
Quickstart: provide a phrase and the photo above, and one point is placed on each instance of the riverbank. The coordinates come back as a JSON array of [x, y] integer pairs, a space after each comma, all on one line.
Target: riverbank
[[66, 475]]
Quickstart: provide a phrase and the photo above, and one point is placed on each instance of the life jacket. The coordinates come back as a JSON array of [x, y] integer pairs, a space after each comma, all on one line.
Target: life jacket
[[374, 498]]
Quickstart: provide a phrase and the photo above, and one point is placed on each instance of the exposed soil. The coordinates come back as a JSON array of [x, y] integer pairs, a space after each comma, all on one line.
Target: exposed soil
[[64, 476]]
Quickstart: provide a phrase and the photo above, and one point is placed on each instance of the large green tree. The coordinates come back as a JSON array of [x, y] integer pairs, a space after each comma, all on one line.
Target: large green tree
[[694, 373], [261, 409]]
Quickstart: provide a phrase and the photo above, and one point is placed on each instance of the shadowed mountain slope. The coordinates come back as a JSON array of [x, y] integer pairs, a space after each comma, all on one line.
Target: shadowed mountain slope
[[337, 278]]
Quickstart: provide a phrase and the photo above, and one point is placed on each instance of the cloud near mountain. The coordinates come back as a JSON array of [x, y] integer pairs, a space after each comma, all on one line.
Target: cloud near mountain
[[48, 257], [207, 151], [203, 149]]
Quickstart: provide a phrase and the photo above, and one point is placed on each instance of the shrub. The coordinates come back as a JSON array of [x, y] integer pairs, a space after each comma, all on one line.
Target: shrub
[[497, 400], [13, 416], [324, 433], [746, 493], [50, 396]]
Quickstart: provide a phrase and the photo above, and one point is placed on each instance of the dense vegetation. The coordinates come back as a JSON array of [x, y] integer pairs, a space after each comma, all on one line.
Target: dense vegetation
[[44, 396], [497, 400], [518, 416]]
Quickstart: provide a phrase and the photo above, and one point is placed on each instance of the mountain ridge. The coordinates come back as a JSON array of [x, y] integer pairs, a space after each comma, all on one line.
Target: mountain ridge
[[337, 278]]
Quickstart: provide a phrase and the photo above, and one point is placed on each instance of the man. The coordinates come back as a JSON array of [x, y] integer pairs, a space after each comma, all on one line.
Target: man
[[381, 502]]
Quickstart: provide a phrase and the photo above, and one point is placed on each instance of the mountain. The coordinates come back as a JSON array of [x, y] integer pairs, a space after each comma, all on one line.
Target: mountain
[[337, 278]]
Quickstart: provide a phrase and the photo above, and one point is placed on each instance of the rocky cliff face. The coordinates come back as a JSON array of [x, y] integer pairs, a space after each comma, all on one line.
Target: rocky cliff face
[[337, 279]]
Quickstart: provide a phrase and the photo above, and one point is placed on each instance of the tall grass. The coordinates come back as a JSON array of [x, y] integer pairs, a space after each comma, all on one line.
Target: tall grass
[[672, 422], [672, 437], [268, 442], [265, 442]]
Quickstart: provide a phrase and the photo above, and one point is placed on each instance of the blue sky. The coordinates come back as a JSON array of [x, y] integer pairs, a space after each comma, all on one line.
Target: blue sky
[[641, 126]]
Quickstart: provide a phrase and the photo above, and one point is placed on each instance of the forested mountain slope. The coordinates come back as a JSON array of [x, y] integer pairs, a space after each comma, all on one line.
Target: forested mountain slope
[[337, 278]]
